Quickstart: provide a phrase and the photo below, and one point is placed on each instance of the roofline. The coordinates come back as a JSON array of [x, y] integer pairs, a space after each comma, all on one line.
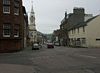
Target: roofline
[[84, 23]]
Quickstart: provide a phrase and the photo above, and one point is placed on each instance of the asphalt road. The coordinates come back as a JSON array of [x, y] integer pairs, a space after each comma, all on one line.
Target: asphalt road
[[57, 60]]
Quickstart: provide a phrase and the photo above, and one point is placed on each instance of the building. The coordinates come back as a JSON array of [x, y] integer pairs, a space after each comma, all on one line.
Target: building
[[26, 28], [70, 20], [76, 17], [40, 37], [87, 16], [32, 27], [56, 37], [63, 31], [86, 34], [11, 25]]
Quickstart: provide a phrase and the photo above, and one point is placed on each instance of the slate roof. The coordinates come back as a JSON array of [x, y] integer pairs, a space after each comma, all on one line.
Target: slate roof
[[81, 24]]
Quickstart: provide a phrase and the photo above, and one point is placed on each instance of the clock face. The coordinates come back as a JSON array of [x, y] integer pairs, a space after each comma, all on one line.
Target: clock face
[[31, 19]]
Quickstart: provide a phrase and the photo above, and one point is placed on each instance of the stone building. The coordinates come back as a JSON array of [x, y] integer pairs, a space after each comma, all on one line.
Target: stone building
[[32, 27], [63, 31], [11, 25], [56, 37]]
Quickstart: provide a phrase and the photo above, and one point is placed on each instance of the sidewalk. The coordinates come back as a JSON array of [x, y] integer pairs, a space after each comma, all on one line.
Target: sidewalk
[[7, 64], [12, 68]]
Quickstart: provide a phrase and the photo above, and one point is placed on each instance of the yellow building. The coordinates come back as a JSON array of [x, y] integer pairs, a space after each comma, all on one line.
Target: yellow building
[[86, 34]]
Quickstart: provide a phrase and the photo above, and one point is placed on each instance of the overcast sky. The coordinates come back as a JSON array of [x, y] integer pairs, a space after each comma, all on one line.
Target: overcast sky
[[49, 13]]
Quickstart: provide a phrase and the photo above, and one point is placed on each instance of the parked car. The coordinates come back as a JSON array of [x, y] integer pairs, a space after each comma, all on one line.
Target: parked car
[[56, 44], [40, 45], [50, 45], [35, 46]]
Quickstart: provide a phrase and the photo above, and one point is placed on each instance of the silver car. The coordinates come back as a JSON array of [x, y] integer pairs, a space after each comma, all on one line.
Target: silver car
[[35, 46]]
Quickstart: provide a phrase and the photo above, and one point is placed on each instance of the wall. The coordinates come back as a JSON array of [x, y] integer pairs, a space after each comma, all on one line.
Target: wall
[[94, 32], [80, 34], [9, 44]]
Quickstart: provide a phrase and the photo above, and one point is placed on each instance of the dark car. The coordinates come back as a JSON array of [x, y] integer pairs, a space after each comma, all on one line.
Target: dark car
[[35, 46], [50, 45]]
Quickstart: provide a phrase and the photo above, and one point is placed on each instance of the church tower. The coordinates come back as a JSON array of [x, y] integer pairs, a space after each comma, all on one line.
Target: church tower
[[32, 26], [32, 19]]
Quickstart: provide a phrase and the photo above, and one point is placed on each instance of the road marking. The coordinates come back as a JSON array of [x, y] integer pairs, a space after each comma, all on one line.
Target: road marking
[[88, 56]]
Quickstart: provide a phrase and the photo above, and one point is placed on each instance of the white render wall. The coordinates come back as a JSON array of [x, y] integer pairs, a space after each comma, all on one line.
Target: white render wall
[[93, 29], [80, 35], [92, 32]]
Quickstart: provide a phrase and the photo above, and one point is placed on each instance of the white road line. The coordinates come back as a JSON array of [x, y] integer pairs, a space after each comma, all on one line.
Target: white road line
[[88, 56]]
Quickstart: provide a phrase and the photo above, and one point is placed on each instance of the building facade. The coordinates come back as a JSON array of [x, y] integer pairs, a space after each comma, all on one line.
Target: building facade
[[32, 27], [11, 25], [56, 37], [72, 19], [26, 28], [63, 31], [86, 34], [69, 21]]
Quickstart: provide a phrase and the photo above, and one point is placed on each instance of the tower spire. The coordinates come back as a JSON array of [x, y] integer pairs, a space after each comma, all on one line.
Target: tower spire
[[32, 27], [32, 10]]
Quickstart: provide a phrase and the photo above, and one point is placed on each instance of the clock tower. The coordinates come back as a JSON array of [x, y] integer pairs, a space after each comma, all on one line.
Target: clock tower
[[32, 27], [32, 19]]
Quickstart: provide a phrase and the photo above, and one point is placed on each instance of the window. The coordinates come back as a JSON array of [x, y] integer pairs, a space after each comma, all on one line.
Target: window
[[16, 4], [16, 7], [6, 30], [98, 39], [16, 30], [83, 41], [16, 11], [16, 33], [83, 29], [6, 9], [72, 31], [17, 0], [6, 2], [6, 6], [62, 27], [78, 30]]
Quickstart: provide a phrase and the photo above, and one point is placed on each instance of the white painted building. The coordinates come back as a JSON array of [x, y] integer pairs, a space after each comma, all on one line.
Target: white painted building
[[86, 34], [32, 27]]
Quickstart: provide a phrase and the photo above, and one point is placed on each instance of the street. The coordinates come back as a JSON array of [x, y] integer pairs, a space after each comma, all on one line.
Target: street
[[54, 60]]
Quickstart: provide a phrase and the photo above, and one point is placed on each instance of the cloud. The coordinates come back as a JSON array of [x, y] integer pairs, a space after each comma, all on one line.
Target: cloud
[[49, 13]]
